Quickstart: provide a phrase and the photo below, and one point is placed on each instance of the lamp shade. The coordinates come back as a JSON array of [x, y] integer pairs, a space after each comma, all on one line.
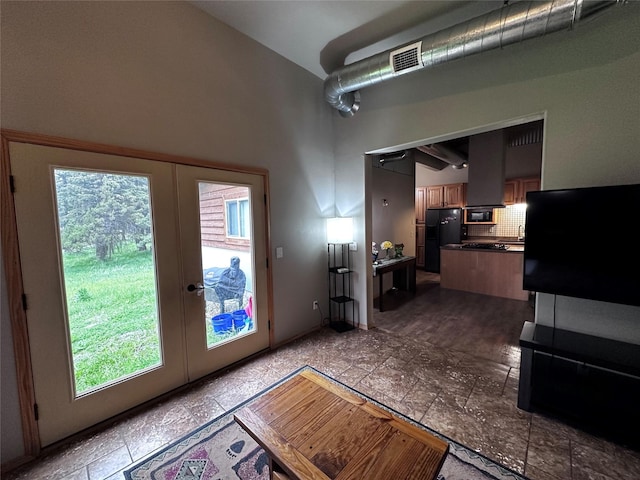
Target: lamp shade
[[340, 230]]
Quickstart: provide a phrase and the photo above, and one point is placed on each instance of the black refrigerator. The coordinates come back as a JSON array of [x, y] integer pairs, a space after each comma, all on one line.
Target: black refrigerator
[[442, 227]]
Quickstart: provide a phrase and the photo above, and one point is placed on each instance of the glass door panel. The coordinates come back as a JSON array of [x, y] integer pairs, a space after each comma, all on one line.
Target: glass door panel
[[226, 245], [109, 281]]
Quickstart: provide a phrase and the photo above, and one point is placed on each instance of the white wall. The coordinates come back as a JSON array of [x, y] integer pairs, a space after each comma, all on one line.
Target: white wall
[[583, 82], [166, 77]]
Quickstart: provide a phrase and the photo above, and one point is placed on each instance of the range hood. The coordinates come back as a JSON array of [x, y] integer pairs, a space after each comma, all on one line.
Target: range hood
[[485, 187]]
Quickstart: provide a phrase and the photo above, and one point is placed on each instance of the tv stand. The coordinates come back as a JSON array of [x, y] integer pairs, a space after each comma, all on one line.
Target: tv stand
[[592, 379]]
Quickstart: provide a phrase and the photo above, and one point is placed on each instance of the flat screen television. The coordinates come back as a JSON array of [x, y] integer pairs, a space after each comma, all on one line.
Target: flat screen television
[[580, 243]]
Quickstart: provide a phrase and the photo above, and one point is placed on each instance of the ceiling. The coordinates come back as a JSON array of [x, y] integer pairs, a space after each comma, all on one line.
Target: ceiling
[[322, 35]]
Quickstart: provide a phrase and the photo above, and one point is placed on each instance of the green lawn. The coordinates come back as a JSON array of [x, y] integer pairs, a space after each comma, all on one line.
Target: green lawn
[[112, 315]]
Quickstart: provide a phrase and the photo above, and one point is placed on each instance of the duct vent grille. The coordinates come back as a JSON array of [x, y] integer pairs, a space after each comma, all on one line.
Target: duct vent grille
[[519, 137], [406, 59]]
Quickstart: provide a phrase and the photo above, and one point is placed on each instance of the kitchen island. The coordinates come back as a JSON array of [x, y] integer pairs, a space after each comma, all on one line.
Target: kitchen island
[[496, 272]]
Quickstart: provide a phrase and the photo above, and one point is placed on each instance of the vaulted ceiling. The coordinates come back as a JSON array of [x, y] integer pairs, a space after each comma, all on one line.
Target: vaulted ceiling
[[321, 36]]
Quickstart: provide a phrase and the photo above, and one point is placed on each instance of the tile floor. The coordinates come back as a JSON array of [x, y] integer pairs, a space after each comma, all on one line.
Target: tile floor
[[468, 397]]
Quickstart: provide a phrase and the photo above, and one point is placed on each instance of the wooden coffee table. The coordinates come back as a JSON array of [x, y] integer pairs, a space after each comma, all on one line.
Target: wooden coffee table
[[314, 429]]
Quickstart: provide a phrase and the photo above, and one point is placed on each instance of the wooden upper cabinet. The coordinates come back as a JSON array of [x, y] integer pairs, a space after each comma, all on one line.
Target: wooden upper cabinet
[[515, 190], [435, 197], [446, 196], [510, 192], [421, 204], [528, 185], [454, 195]]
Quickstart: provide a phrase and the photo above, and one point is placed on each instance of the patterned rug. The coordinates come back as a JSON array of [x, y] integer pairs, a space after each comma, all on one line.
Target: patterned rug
[[221, 450]]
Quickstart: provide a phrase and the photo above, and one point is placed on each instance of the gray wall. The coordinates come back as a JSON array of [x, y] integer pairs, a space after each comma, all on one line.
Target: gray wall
[[584, 83], [168, 78], [396, 222]]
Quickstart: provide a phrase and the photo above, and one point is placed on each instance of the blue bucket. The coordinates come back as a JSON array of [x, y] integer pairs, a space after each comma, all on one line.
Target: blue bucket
[[239, 318], [222, 323]]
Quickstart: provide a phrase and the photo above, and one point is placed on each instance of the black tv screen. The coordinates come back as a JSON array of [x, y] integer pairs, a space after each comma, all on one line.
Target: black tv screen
[[580, 243]]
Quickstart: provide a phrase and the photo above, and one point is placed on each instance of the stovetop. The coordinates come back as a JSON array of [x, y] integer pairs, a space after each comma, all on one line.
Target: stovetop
[[487, 246]]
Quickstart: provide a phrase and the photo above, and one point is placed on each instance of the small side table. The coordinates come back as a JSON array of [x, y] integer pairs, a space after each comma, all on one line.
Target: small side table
[[404, 275]]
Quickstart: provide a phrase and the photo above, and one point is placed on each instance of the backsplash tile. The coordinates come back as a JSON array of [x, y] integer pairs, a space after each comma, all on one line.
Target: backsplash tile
[[508, 220]]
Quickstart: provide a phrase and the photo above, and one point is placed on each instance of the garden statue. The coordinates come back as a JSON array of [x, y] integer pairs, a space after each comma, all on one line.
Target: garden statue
[[231, 284]]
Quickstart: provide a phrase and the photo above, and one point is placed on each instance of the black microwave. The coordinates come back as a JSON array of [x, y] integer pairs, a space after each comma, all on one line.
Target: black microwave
[[479, 215]]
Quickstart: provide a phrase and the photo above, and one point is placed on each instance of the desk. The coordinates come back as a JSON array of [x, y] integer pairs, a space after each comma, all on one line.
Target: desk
[[404, 276], [313, 428]]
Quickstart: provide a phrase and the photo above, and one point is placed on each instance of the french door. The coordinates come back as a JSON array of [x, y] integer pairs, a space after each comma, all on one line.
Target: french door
[[202, 193], [139, 276]]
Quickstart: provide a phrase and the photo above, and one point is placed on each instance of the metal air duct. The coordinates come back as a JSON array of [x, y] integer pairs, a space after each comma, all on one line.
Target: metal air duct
[[510, 24], [446, 154], [393, 157]]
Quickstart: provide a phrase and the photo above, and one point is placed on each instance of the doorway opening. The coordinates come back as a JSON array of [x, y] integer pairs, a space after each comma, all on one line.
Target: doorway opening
[[443, 163]]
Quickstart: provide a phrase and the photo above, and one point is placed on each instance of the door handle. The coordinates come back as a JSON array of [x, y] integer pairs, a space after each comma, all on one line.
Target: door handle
[[198, 287]]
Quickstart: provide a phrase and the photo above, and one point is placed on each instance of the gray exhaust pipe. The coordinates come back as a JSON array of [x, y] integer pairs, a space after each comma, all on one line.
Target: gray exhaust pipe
[[508, 25]]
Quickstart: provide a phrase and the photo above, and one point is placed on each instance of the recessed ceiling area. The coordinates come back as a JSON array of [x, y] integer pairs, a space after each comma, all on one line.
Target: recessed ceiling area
[[455, 153]]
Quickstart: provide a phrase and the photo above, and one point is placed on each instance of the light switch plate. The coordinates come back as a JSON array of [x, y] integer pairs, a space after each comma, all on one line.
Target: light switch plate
[[279, 252], [353, 246]]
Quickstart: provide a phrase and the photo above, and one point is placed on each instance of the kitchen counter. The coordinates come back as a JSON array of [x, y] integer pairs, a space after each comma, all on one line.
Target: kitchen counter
[[511, 248], [480, 270], [507, 240]]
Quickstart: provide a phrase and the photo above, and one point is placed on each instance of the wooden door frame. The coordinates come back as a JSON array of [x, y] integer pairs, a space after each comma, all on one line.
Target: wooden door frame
[[13, 272]]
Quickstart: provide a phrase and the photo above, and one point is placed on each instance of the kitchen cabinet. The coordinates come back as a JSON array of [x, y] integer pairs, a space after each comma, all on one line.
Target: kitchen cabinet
[[420, 258], [528, 185], [515, 190], [421, 204], [434, 196], [421, 213], [446, 196]]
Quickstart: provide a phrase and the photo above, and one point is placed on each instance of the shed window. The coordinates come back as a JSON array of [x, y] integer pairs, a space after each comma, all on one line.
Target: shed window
[[237, 218]]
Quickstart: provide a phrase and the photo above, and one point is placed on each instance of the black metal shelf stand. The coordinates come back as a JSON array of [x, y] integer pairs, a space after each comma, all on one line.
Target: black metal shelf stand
[[340, 293]]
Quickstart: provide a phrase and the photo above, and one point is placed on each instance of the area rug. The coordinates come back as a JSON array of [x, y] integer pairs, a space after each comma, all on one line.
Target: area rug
[[222, 450]]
